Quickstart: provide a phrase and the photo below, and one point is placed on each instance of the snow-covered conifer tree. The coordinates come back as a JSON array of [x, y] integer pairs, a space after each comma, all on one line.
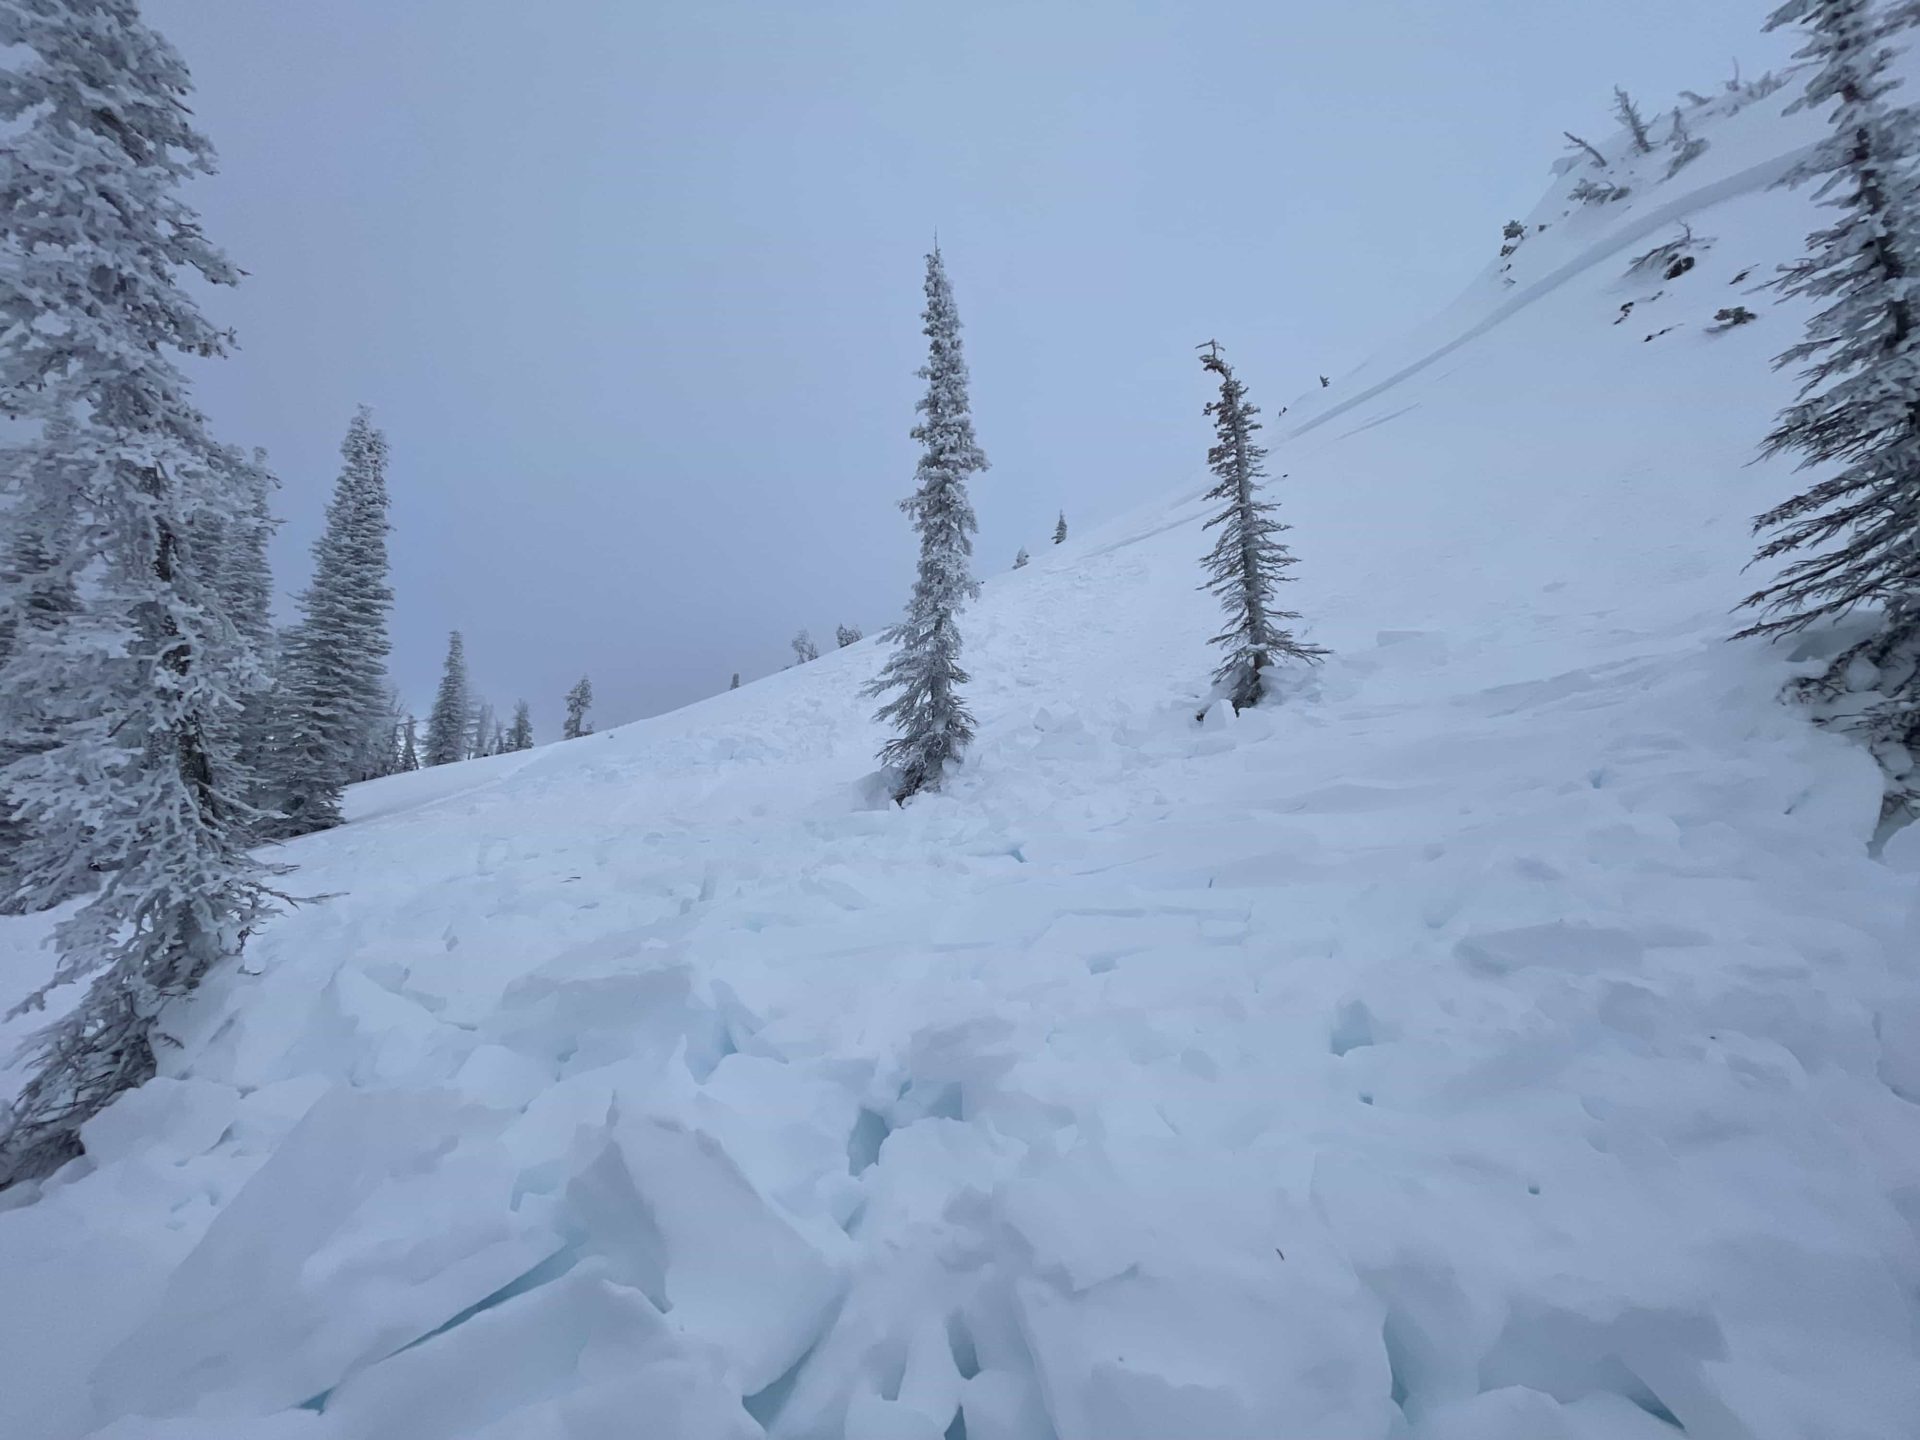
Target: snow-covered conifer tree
[[520, 737], [579, 701], [735, 685], [1858, 415], [1249, 558], [332, 706], [1628, 114], [847, 635], [38, 593], [398, 721], [480, 730], [140, 684], [804, 649], [1060, 530], [244, 578], [932, 720], [409, 751], [1683, 146], [384, 745], [1020, 560], [447, 722]]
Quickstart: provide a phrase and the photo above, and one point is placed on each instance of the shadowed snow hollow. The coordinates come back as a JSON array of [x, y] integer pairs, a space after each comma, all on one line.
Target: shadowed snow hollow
[[1507, 1036]]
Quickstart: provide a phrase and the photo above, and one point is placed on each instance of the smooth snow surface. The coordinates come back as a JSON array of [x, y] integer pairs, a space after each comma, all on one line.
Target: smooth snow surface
[[1506, 1036]]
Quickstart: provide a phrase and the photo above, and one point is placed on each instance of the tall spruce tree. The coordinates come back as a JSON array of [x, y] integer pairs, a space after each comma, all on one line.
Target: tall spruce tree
[[1248, 559], [520, 737], [932, 720], [409, 751], [1859, 408], [1060, 530], [579, 701], [142, 681], [332, 708], [447, 723]]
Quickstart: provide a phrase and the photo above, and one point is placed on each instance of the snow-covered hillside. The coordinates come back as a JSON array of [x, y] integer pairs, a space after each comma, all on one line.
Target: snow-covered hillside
[[1510, 1036]]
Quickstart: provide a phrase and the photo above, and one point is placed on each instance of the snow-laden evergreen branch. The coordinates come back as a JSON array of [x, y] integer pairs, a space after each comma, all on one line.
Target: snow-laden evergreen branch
[[1855, 533]]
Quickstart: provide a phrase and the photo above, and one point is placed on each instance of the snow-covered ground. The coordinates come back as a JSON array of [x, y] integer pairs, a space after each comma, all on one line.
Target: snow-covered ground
[[1510, 1036]]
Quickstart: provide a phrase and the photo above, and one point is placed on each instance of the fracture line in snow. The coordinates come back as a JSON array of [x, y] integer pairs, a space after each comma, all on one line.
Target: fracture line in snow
[[1755, 177]]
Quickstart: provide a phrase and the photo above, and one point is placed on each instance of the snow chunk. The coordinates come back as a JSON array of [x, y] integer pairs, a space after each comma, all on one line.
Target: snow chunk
[[736, 1273], [1562, 945], [173, 1120], [580, 1358], [320, 1265]]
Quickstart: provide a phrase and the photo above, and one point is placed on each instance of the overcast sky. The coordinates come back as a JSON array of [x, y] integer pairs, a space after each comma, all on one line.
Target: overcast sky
[[634, 288]]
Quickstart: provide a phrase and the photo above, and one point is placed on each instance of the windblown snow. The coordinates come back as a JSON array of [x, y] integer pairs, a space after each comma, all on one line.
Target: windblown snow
[[1510, 1034]]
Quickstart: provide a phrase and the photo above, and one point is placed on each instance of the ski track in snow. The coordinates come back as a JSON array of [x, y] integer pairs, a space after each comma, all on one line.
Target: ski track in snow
[[1507, 1036]]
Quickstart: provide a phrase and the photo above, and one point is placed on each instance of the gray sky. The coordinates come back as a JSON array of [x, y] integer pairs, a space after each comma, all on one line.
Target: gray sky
[[634, 288]]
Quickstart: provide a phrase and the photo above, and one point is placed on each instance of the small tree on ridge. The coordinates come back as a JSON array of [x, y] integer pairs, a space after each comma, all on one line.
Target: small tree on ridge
[[1248, 559], [579, 701], [447, 722]]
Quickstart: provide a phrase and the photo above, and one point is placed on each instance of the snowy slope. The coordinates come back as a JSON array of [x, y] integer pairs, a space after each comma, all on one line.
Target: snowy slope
[[1508, 1037]]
